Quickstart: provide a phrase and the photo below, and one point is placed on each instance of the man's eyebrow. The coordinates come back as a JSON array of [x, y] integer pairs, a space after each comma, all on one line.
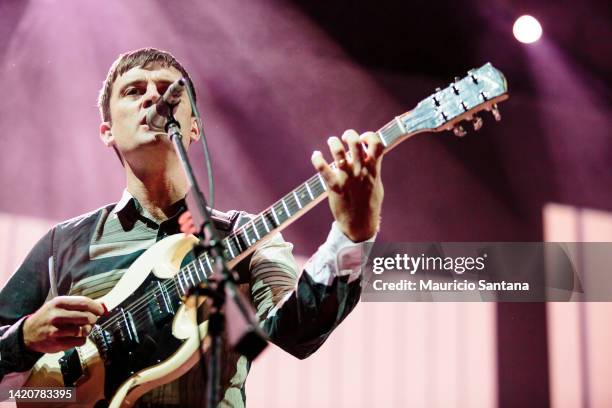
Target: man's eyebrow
[[158, 82]]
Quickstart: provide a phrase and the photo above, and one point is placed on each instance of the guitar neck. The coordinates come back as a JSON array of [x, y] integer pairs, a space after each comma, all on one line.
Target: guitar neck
[[245, 239], [241, 242], [443, 110]]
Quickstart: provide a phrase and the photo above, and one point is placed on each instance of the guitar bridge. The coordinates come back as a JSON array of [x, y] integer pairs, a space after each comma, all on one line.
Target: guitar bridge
[[103, 341]]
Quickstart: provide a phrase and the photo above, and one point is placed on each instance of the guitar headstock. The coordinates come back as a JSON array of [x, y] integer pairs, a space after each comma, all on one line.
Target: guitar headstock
[[480, 90]]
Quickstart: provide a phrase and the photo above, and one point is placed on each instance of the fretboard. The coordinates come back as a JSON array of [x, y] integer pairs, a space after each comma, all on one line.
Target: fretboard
[[245, 239]]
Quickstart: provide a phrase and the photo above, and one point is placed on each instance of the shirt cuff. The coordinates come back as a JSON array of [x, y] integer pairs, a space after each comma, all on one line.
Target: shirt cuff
[[13, 354], [338, 256]]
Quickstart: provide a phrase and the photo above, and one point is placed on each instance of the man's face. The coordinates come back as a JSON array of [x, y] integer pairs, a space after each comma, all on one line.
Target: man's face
[[133, 94]]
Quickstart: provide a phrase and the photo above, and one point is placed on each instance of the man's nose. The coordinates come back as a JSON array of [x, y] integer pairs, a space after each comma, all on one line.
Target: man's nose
[[150, 97]]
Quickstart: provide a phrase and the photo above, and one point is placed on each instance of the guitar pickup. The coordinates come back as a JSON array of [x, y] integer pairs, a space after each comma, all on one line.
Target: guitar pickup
[[163, 300], [160, 305], [126, 329]]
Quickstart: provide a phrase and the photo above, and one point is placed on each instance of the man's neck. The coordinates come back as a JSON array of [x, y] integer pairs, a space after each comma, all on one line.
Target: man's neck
[[157, 188]]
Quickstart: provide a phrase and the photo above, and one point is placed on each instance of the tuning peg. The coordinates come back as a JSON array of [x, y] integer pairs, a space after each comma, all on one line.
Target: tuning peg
[[459, 131], [477, 122], [457, 79], [495, 112], [438, 89]]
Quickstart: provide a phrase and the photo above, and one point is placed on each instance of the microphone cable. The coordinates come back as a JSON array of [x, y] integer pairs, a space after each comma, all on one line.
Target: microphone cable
[[207, 160]]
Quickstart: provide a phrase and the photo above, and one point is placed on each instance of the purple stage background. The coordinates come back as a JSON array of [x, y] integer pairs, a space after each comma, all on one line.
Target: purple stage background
[[274, 81], [272, 87]]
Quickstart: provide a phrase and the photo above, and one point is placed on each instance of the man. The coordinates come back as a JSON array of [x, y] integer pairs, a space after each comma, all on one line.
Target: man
[[49, 304]]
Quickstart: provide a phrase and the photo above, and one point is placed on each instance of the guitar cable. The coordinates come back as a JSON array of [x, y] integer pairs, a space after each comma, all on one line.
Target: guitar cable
[[207, 159]]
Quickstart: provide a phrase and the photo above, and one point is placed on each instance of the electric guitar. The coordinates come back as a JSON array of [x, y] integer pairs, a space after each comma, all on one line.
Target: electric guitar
[[149, 335]]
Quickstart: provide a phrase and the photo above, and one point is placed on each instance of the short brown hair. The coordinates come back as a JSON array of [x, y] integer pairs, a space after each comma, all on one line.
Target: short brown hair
[[142, 57]]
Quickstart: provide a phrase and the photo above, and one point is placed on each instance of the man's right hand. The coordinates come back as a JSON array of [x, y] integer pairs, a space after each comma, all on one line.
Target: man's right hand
[[60, 324]]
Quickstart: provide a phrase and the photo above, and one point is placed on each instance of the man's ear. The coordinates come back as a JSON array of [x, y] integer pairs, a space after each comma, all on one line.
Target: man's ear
[[194, 132], [105, 134]]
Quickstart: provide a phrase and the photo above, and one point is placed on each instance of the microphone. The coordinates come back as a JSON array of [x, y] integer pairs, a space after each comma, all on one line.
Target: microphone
[[157, 116]]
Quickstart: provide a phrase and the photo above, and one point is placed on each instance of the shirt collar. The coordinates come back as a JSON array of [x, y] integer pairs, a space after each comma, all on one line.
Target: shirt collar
[[126, 197], [129, 209]]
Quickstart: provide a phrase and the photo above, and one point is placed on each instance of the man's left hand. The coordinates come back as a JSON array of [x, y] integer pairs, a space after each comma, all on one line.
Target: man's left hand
[[355, 185]]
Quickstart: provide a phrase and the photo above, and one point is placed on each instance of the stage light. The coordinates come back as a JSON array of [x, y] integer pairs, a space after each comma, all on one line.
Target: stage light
[[527, 29]]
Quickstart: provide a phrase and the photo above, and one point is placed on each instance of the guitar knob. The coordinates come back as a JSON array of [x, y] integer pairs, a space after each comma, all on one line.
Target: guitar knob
[[459, 131], [495, 112], [477, 122]]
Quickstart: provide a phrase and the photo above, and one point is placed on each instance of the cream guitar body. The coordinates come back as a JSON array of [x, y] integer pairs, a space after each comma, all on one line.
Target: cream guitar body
[[146, 289]]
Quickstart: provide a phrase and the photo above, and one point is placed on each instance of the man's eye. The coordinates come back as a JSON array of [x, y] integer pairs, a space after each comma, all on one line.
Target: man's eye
[[131, 91]]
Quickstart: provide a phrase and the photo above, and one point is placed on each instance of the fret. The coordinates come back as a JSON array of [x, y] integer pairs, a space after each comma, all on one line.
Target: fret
[[203, 269], [185, 279], [192, 266], [382, 138], [246, 236], [297, 200], [285, 207], [275, 216], [208, 263], [388, 132], [309, 192], [265, 224], [178, 277], [191, 276], [255, 229], [250, 239], [229, 248], [303, 196], [245, 239], [322, 181], [315, 187], [186, 274], [237, 239], [400, 124]]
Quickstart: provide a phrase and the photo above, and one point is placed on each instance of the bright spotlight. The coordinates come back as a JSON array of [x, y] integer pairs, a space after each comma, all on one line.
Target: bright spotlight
[[527, 29]]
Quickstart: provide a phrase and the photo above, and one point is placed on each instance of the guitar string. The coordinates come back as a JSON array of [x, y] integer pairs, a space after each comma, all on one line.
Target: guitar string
[[136, 308], [138, 305], [140, 312]]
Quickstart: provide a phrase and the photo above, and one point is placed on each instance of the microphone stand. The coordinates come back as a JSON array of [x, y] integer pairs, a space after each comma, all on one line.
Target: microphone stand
[[230, 311]]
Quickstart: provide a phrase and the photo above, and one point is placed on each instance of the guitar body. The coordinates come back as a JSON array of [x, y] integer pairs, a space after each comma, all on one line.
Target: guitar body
[[131, 349]]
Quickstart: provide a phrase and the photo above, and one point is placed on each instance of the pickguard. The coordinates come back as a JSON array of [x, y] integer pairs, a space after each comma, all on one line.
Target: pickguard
[[131, 339]]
